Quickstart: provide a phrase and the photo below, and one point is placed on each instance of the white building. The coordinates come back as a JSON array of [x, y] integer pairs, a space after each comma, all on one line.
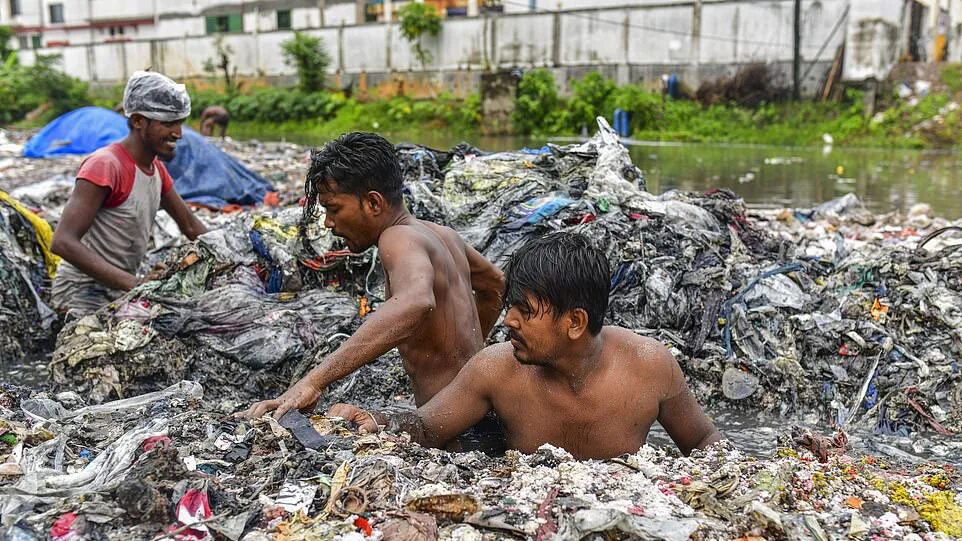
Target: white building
[[629, 40], [56, 23]]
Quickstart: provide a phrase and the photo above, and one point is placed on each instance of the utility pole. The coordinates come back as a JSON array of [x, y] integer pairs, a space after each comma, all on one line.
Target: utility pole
[[796, 57], [321, 8]]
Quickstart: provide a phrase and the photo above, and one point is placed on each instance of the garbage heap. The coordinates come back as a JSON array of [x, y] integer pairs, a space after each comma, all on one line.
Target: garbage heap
[[789, 312], [175, 464], [26, 268]]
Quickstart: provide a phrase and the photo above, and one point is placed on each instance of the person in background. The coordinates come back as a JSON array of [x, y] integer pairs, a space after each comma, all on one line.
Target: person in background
[[215, 115], [109, 218]]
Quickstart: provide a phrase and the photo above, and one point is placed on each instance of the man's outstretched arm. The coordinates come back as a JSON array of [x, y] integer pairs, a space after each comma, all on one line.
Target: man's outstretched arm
[[487, 281], [411, 274], [458, 407], [679, 412]]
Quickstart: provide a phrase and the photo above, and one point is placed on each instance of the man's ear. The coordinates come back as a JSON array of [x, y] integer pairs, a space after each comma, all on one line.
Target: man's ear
[[138, 121], [577, 323], [376, 202]]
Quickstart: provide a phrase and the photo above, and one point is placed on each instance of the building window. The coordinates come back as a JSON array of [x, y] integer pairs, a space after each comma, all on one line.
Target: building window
[[492, 6], [15, 8], [35, 41], [283, 19], [24, 42], [56, 13], [219, 24]]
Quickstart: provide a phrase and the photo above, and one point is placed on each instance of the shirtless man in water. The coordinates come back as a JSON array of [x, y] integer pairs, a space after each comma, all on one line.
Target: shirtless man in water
[[563, 379], [443, 296]]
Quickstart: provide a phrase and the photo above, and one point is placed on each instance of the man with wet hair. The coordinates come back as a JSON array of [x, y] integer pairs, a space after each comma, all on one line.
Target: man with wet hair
[[564, 378], [109, 218], [443, 296]]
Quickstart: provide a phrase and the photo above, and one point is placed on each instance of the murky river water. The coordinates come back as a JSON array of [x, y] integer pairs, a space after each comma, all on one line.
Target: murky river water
[[884, 179]]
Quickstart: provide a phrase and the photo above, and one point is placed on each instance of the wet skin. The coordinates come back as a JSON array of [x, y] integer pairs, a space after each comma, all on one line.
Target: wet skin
[[443, 299], [597, 401]]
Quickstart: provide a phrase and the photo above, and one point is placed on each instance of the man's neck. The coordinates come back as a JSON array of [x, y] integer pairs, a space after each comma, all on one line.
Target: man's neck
[[399, 216], [575, 368], [138, 151]]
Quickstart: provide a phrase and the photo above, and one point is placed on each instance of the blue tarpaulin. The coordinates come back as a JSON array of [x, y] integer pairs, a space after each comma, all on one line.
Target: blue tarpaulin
[[205, 174], [80, 131], [202, 172]]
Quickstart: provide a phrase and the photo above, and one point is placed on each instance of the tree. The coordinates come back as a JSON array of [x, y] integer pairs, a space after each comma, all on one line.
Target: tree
[[5, 34], [310, 57], [224, 52], [418, 19]]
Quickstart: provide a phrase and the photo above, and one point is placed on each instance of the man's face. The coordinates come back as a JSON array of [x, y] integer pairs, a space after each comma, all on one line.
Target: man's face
[[348, 217], [159, 137], [537, 336]]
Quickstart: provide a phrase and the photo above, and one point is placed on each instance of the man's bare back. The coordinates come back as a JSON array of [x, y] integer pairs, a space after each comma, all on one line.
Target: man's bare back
[[451, 333], [443, 297]]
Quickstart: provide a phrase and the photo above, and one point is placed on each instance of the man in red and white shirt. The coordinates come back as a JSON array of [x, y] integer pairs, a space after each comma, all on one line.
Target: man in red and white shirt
[[108, 221]]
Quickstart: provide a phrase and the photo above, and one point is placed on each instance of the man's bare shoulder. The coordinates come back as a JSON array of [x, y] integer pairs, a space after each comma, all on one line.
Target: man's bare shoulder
[[493, 363], [403, 239], [442, 231], [641, 352]]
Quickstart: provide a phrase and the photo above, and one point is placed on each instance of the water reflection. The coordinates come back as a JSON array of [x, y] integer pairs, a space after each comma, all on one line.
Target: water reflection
[[884, 179]]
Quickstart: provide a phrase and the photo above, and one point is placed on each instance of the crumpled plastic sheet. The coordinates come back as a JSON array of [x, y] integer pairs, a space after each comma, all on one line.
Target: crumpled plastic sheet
[[42, 481], [25, 319]]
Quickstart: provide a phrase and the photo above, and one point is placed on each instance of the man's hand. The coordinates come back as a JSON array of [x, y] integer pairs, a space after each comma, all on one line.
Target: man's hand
[[361, 418], [302, 395], [156, 273]]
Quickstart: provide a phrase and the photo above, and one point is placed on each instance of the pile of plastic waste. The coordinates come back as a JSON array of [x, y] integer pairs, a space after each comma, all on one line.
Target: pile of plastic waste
[[171, 463], [26, 268], [823, 310], [832, 314]]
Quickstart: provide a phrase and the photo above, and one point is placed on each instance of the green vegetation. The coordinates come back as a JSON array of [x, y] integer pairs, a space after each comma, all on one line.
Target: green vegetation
[[418, 19], [931, 121], [397, 116], [310, 113], [5, 35], [308, 55], [42, 88]]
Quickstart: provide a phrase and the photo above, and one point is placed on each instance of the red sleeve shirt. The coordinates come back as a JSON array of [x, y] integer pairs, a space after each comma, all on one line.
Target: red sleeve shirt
[[112, 167]]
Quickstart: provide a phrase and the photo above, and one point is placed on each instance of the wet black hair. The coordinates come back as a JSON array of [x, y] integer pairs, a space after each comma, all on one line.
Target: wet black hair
[[563, 271], [358, 163]]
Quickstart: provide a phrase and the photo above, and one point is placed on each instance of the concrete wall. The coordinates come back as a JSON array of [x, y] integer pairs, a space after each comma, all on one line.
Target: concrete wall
[[698, 39]]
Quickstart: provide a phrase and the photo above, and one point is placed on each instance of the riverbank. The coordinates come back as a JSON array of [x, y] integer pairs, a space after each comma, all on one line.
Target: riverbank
[[908, 115]]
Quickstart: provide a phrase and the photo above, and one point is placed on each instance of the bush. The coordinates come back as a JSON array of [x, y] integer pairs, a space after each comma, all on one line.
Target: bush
[[537, 106], [25, 88], [271, 104], [589, 100], [309, 56], [752, 86], [644, 108]]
